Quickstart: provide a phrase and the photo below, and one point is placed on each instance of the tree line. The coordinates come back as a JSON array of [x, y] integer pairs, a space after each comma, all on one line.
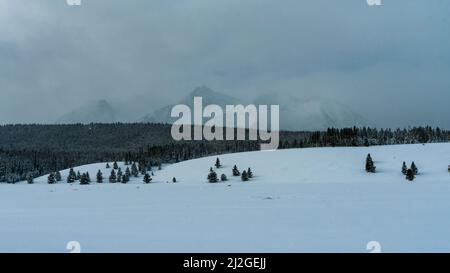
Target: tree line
[[28, 151]]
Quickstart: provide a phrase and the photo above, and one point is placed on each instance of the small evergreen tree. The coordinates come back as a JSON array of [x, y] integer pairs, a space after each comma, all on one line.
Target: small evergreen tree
[[58, 176], [107, 166], [30, 179], [370, 167], [414, 168], [218, 163], [88, 177], [115, 166], [236, 171], [113, 177], [83, 179], [51, 178], [410, 175], [244, 176], [147, 178], [134, 170], [249, 173], [174, 180], [404, 168], [223, 177], [212, 177], [78, 177], [72, 176], [127, 172], [99, 177], [125, 178]]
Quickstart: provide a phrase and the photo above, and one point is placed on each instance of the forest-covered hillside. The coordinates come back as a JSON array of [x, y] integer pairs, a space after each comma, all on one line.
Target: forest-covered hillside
[[38, 149]]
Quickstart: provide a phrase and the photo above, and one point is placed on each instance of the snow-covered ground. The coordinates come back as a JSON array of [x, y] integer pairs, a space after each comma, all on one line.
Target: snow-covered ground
[[300, 200]]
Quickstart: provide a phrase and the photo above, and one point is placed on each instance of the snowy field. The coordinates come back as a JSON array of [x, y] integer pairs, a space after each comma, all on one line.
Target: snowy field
[[300, 200]]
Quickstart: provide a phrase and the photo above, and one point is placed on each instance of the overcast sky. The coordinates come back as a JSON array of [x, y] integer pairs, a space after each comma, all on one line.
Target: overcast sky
[[390, 63]]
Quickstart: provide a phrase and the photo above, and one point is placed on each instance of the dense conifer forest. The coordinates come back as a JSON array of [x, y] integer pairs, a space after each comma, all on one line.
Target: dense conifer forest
[[35, 150]]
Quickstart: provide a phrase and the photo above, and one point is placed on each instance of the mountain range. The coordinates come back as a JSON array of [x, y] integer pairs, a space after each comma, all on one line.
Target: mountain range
[[296, 114]]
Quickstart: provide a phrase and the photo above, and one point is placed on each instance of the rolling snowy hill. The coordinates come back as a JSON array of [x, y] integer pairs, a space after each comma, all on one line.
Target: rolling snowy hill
[[300, 200]]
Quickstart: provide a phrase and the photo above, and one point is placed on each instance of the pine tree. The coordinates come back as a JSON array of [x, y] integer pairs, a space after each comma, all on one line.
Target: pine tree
[[147, 178], [78, 177], [366, 142], [249, 173], [119, 178], [119, 172], [51, 178], [88, 177], [72, 176], [115, 166], [58, 176], [83, 179], [223, 177], [218, 163], [127, 172], [30, 179], [404, 168], [244, 176], [174, 180], [410, 175], [125, 178], [414, 168], [99, 177], [107, 166], [112, 177], [370, 167], [236, 171], [212, 177], [142, 168], [134, 170]]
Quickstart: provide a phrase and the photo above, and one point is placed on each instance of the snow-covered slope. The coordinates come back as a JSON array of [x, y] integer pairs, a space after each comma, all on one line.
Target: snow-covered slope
[[300, 200]]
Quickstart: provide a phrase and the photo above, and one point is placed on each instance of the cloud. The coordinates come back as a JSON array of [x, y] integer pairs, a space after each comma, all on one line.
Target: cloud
[[390, 62]]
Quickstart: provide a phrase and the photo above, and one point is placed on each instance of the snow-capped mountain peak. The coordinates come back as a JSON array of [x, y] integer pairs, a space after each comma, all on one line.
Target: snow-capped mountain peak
[[98, 111]]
